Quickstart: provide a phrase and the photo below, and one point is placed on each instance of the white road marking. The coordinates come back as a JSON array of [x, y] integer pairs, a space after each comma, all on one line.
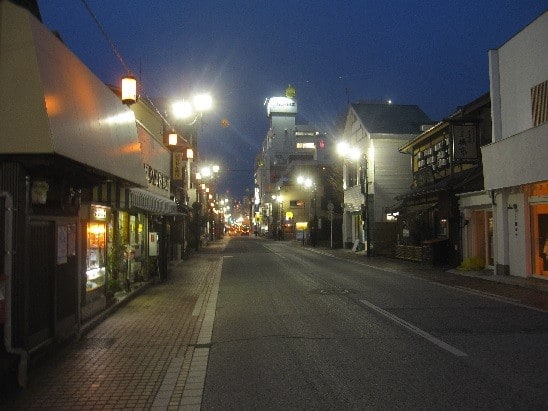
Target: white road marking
[[416, 330]]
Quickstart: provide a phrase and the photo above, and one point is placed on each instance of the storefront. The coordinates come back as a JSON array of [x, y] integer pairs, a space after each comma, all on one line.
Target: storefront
[[538, 205], [477, 227], [57, 149]]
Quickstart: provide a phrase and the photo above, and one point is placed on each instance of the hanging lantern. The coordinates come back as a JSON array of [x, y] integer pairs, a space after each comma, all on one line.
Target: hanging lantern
[[189, 153], [172, 139], [129, 90]]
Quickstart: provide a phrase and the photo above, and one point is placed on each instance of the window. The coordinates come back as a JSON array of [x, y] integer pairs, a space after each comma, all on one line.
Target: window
[[351, 174], [539, 103]]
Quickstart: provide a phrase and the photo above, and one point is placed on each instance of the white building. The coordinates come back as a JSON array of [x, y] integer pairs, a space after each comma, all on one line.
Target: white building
[[516, 162], [376, 131], [289, 150]]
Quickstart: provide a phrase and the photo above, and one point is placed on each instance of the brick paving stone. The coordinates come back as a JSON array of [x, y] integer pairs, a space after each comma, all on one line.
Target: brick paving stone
[[140, 353]]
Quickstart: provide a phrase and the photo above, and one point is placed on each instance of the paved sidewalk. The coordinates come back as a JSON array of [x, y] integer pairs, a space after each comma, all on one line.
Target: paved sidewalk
[[411, 266], [531, 292], [151, 353]]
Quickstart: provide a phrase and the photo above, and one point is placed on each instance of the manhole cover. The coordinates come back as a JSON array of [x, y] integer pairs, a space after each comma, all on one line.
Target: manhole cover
[[332, 291]]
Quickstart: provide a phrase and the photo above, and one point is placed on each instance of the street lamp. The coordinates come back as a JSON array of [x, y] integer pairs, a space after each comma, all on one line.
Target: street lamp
[[348, 152], [189, 111], [184, 109]]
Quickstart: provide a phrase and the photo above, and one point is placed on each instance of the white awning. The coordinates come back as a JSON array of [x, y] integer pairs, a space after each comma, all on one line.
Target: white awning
[[52, 104], [145, 200]]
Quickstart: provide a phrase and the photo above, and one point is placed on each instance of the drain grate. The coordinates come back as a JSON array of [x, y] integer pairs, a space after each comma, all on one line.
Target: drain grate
[[97, 343]]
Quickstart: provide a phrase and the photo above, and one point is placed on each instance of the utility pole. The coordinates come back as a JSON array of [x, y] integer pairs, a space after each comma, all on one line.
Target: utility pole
[[365, 190]]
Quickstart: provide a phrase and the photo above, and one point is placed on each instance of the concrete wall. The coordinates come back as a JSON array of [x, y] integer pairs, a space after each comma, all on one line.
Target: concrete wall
[[523, 63]]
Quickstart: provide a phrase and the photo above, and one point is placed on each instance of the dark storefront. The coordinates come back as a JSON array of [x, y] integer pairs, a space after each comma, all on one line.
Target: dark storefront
[[69, 151]]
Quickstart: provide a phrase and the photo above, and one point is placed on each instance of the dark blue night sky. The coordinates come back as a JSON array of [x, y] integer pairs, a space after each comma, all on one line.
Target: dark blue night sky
[[429, 53]]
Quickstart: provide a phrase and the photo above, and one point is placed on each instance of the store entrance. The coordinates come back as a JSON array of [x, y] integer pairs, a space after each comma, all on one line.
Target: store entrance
[[540, 239], [482, 222]]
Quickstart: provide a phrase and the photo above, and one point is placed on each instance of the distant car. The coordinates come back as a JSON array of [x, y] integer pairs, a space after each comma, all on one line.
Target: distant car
[[232, 232], [244, 231]]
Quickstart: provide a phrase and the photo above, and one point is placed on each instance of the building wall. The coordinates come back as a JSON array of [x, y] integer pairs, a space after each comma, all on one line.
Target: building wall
[[518, 145], [283, 133], [391, 176], [523, 63]]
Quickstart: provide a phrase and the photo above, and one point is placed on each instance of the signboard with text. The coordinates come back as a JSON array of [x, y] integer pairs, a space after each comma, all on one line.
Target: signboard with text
[[465, 146]]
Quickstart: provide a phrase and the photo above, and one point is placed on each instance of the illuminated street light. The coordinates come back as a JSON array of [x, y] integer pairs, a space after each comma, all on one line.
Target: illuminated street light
[[182, 110], [203, 102], [206, 172], [347, 151], [185, 110]]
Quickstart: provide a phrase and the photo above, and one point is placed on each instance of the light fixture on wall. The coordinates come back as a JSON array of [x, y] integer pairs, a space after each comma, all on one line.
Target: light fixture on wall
[[129, 90], [172, 139]]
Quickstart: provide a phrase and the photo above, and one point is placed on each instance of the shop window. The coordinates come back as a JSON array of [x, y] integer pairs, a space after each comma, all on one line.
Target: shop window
[[95, 256]]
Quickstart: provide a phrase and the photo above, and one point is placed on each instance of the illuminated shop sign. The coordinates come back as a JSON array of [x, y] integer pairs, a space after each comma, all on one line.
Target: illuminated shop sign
[[98, 213], [156, 178], [281, 105]]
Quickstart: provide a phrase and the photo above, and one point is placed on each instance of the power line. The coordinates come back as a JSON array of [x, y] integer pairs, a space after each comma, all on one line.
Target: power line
[[122, 62], [107, 37]]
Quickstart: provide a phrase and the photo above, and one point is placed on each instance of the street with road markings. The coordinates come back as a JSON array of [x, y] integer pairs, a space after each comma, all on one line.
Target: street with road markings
[[251, 323]]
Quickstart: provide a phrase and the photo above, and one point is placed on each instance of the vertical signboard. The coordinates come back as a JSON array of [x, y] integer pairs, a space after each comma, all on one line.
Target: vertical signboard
[[465, 146], [177, 166]]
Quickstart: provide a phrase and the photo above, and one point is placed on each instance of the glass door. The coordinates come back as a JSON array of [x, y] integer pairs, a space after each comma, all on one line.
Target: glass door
[[540, 239]]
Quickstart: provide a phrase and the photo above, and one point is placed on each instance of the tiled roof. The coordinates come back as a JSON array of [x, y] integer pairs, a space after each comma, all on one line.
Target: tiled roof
[[391, 118]]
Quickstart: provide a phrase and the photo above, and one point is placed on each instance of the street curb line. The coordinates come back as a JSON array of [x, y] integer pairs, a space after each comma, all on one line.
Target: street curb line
[[194, 387]]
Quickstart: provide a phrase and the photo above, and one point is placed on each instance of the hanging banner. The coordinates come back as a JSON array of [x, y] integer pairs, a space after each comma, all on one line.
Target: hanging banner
[[178, 166]]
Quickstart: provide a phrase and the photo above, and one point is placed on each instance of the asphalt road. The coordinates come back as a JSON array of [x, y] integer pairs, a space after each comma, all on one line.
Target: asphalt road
[[297, 328]]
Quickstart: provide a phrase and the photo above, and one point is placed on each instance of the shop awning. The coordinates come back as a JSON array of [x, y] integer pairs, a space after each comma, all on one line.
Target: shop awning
[[469, 180], [52, 104], [153, 203], [418, 208]]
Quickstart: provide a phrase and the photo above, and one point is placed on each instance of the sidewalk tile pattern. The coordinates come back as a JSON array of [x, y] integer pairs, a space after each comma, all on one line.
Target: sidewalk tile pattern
[[146, 355]]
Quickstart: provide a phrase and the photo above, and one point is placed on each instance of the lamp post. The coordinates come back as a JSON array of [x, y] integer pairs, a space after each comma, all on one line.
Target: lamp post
[[364, 183], [348, 152], [190, 111]]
